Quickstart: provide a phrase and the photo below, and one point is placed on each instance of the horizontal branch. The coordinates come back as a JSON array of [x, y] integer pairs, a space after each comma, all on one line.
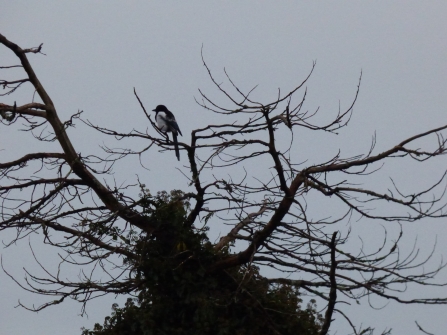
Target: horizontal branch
[[379, 157], [29, 157]]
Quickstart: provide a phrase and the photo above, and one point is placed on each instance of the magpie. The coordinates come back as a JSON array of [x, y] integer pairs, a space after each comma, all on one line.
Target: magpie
[[166, 123]]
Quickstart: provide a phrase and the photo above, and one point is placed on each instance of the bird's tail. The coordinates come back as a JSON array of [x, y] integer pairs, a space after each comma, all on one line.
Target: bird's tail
[[177, 152]]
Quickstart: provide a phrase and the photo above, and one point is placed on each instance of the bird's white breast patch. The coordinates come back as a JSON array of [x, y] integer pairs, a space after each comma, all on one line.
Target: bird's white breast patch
[[161, 122]]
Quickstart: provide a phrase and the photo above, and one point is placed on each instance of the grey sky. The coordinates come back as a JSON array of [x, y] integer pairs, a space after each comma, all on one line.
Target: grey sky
[[97, 51]]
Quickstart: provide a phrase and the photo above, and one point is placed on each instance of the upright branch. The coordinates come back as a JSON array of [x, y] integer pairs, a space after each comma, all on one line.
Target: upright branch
[[333, 290]]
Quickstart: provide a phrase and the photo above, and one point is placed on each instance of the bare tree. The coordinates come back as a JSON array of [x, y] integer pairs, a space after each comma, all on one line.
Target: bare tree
[[265, 219]]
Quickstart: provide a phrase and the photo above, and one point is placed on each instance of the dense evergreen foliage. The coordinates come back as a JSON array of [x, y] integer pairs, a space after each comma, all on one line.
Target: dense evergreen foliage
[[179, 296]]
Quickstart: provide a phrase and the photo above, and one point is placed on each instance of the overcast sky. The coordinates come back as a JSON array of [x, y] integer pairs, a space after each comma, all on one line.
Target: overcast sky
[[97, 51]]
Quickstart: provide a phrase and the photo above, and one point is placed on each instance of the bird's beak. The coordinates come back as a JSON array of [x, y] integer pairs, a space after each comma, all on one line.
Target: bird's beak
[[153, 110]]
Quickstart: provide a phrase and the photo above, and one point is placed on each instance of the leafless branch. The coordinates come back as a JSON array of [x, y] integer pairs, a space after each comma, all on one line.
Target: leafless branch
[[246, 182]]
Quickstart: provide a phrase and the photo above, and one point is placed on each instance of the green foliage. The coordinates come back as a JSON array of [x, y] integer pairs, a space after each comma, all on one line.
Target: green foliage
[[179, 296]]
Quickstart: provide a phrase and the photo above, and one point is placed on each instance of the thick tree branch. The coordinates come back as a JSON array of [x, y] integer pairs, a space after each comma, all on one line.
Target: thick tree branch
[[71, 156]]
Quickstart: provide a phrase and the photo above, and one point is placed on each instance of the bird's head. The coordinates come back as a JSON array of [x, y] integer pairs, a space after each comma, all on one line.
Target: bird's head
[[160, 108]]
